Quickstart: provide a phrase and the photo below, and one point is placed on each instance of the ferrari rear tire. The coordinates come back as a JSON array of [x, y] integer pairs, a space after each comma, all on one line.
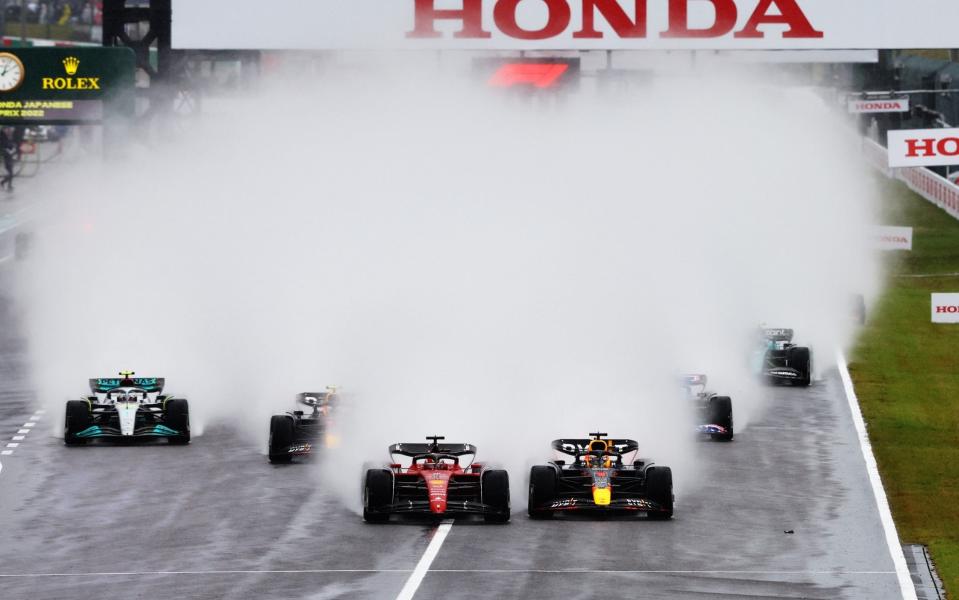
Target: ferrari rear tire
[[542, 490], [177, 416], [78, 418], [496, 495], [721, 413], [659, 488], [800, 359], [377, 494], [281, 438]]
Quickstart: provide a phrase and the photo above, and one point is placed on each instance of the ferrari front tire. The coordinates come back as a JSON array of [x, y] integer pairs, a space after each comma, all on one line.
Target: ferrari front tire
[[377, 494], [496, 495]]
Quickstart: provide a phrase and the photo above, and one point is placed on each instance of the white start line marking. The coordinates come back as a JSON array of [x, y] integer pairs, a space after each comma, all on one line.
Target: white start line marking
[[422, 567], [18, 438], [29, 424], [12, 445], [906, 587], [838, 573], [23, 431], [6, 452]]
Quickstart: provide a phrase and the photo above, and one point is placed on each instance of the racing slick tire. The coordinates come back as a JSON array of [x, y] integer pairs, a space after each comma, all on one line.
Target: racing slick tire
[[495, 486], [78, 419], [659, 488], [800, 359], [377, 493], [281, 438], [542, 490], [177, 416], [721, 413]]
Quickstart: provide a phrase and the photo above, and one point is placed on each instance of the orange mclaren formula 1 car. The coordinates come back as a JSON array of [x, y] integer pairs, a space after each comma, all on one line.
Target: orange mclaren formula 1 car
[[602, 476], [440, 480]]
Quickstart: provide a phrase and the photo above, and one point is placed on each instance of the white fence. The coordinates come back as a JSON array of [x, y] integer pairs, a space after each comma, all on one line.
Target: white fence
[[934, 188]]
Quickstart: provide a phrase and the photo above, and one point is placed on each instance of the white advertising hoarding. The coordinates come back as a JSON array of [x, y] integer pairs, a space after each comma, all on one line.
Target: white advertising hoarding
[[859, 106], [893, 238], [945, 308], [566, 24], [923, 147]]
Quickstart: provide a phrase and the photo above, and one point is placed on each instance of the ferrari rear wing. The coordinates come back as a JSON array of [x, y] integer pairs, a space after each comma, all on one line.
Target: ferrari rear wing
[[416, 449]]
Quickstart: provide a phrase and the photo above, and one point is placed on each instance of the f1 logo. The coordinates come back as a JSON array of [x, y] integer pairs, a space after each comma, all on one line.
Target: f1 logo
[[540, 75]]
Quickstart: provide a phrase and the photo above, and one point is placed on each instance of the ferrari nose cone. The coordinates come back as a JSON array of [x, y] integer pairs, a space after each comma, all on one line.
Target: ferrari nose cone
[[601, 496], [438, 505]]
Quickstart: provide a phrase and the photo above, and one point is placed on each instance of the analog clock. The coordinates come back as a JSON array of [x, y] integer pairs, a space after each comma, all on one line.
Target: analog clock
[[11, 72]]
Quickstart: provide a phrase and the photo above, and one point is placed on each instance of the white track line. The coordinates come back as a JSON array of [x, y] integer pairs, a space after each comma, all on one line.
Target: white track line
[[416, 577], [24, 431], [504, 571], [882, 502]]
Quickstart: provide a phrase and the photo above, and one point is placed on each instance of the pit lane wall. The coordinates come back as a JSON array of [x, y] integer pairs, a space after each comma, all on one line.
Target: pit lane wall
[[931, 186]]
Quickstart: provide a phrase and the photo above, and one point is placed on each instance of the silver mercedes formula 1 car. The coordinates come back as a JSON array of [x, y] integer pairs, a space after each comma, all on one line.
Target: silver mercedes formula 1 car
[[127, 408]]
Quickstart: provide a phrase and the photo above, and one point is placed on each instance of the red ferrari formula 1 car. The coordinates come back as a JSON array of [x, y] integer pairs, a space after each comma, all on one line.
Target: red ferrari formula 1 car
[[441, 480]]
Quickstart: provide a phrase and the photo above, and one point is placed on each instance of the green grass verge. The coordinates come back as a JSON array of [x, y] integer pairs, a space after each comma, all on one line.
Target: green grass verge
[[906, 372]]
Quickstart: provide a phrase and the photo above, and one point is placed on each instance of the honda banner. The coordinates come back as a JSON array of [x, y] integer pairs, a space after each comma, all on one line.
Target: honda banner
[[945, 308], [860, 106], [893, 238], [923, 147], [567, 24]]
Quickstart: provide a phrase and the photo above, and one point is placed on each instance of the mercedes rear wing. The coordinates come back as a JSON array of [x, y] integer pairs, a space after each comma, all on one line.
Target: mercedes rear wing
[[102, 385]]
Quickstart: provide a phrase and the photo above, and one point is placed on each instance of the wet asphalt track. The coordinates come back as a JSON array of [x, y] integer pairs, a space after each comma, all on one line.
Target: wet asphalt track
[[214, 520]]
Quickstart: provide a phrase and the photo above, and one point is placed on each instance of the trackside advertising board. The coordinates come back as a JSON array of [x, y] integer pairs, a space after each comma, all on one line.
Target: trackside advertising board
[[923, 147], [859, 106], [65, 85], [945, 308], [893, 238], [566, 24]]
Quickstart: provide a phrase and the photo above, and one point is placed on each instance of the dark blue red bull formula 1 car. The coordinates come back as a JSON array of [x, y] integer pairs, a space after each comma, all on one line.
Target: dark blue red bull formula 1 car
[[603, 476]]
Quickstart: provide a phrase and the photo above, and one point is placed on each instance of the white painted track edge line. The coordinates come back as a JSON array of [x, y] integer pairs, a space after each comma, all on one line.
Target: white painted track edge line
[[423, 566], [906, 585], [841, 573]]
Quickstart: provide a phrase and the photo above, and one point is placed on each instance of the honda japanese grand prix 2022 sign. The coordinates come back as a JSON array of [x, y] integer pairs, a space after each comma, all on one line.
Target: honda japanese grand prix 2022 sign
[[945, 308], [568, 24], [923, 147]]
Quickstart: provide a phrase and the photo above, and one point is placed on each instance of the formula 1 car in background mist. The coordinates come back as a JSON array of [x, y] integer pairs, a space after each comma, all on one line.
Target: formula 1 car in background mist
[[439, 481], [778, 360], [715, 412], [297, 433], [603, 476], [127, 408]]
